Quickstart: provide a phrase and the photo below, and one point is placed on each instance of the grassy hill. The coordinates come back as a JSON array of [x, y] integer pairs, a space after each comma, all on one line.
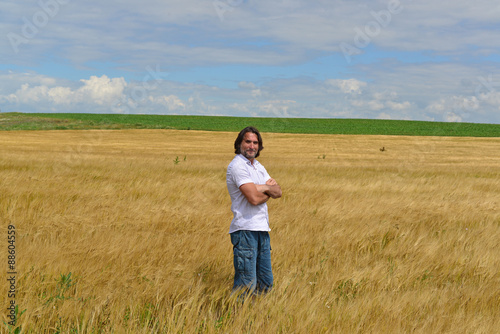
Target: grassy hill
[[73, 121]]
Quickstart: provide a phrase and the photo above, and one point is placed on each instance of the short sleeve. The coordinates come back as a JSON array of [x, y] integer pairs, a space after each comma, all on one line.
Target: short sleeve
[[240, 175]]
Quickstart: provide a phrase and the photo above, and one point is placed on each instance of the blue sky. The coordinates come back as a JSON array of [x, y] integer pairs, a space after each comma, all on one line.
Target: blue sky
[[391, 59]]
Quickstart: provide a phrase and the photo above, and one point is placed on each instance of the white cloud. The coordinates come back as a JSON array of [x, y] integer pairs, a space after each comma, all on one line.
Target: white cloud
[[276, 108], [349, 86], [385, 95], [358, 103], [384, 115], [246, 85], [101, 90], [191, 32], [172, 102], [491, 99], [398, 106], [403, 93], [60, 95], [256, 93], [452, 117], [453, 108], [375, 105], [27, 94]]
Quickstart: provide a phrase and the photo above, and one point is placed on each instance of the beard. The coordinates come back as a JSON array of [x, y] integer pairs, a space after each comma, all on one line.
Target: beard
[[249, 154]]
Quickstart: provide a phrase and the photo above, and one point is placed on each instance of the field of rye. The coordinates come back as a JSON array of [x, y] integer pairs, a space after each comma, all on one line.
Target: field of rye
[[126, 231]]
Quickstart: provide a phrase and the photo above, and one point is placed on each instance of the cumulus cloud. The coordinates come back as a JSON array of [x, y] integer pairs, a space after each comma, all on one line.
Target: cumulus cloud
[[96, 90], [101, 90], [387, 96], [60, 95], [398, 106], [171, 102], [349, 86]]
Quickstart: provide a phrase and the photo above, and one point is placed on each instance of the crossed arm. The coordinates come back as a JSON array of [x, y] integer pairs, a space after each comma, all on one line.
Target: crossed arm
[[259, 193]]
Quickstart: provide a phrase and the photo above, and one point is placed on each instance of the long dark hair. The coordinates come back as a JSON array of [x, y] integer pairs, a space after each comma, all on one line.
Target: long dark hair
[[241, 135]]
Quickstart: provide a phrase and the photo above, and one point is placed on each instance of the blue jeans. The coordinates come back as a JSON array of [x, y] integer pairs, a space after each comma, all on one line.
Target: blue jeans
[[252, 261]]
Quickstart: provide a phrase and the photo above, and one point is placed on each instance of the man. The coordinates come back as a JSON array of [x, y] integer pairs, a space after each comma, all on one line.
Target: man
[[250, 187]]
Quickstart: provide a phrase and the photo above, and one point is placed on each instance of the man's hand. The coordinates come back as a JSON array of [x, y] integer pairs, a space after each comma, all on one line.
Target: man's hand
[[254, 193], [259, 193], [273, 191], [271, 182], [271, 188]]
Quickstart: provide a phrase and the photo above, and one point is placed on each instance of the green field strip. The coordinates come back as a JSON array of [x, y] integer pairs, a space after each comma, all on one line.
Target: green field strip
[[67, 121]]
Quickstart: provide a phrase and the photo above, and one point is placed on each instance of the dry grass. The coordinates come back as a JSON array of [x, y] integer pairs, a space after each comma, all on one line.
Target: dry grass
[[364, 240]]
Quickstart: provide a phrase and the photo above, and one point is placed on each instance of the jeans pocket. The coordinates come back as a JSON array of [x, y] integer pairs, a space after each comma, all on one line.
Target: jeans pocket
[[243, 260]]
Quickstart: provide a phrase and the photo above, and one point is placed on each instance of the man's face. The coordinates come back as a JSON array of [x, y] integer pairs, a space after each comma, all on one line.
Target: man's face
[[249, 146]]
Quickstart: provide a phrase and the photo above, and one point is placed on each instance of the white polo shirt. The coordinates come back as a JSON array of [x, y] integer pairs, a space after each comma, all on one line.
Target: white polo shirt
[[246, 216]]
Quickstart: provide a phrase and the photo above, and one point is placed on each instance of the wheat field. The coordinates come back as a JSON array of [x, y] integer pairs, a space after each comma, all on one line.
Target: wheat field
[[126, 231]]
